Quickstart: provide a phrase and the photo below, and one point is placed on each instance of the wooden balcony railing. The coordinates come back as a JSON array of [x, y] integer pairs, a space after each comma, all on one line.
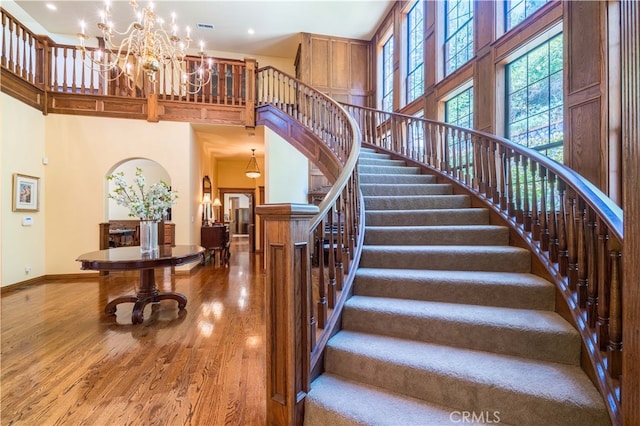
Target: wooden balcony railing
[[573, 228], [311, 252], [59, 70]]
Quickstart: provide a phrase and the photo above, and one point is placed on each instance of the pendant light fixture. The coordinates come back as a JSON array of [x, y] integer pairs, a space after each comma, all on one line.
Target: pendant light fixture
[[252, 171]]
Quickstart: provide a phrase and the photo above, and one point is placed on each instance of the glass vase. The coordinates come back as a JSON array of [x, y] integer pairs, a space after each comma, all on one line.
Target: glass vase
[[148, 237]]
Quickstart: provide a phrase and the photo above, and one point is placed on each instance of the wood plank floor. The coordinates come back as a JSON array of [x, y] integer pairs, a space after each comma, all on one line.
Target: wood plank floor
[[66, 363]]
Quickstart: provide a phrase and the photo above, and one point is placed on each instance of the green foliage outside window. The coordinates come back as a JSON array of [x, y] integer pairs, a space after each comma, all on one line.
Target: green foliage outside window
[[415, 55], [387, 75], [458, 46], [535, 99], [517, 11]]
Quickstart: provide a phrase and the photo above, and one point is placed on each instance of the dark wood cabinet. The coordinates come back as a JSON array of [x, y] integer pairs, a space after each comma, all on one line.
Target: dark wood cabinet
[[215, 240]]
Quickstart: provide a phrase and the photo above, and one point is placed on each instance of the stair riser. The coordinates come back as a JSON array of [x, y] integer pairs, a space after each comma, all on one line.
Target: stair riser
[[443, 259], [430, 218], [552, 344], [397, 189], [515, 408], [437, 236], [417, 202]]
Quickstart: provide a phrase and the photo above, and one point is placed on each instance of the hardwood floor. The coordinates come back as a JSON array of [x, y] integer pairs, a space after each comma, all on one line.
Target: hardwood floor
[[66, 363]]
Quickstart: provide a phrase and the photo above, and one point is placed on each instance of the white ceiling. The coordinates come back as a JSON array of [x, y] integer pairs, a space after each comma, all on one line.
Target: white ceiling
[[276, 23]]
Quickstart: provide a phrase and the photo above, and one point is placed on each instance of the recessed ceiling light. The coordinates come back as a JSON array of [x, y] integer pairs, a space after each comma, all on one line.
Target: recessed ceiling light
[[251, 31], [51, 6]]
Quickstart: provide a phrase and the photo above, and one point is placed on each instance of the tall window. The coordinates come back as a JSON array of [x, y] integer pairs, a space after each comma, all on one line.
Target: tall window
[[387, 75], [459, 110], [458, 34], [517, 11], [534, 99], [415, 57]]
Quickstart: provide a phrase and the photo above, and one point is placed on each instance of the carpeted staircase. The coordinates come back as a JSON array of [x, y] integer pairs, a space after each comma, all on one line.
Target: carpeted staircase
[[446, 324]]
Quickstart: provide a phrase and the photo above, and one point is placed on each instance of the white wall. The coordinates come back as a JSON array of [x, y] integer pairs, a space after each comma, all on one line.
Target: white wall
[[82, 151], [23, 146], [287, 171]]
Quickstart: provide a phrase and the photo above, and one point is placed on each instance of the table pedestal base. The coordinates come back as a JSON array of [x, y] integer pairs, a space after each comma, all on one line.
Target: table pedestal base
[[148, 293]]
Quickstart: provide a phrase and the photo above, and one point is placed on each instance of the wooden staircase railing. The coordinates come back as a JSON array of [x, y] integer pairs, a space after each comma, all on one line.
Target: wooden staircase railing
[[573, 228], [311, 252]]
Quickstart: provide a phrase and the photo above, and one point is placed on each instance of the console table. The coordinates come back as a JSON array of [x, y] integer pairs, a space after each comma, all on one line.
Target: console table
[[130, 258]]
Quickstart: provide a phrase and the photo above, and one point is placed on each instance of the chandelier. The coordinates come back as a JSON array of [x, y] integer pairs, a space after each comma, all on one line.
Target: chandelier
[[146, 46], [252, 171]]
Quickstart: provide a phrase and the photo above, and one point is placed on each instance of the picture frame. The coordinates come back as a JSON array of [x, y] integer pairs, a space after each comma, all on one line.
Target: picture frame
[[26, 193]]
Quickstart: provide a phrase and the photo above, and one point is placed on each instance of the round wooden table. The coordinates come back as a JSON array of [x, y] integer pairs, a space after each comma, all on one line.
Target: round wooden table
[[130, 258]]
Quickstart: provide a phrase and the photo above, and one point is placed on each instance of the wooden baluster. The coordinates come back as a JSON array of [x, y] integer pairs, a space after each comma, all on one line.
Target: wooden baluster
[[494, 194], [74, 84], [467, 161], [572, 244], [55, 85], [4, 40], [519, 212], [544, 227], [504, 177], [526, 212], [535, 217], [18, 60], [486, 174], [592, 271], [331, 291], [553, 220], [510, 207], [563, 250], [30, 59], [582, 266], [323, 311], [604, 287], [614, 348], [339, 246]]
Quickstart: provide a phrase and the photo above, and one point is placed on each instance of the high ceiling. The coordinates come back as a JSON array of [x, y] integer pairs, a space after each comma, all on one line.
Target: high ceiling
[[276, 25]]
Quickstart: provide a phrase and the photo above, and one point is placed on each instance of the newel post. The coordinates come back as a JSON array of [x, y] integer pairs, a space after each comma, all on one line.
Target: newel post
[[288, 309]]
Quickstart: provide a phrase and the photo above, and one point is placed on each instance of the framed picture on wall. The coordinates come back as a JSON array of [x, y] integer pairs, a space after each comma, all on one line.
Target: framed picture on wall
[[26, 192]]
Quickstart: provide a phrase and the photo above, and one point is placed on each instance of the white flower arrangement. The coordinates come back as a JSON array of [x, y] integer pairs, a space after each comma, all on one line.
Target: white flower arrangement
[[150, 204]]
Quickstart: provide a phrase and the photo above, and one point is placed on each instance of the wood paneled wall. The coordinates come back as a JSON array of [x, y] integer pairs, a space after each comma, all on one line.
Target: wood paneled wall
[[630, 84], [592, 96], [338, 67], [588, 142]]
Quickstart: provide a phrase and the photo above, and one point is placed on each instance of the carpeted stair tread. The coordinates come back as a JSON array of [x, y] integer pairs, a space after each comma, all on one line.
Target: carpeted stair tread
[[408, 179], [336, 401], [437, 235], [529, 333], [427, 217], [372, 189], [462, 258], [389, 170], [506, 289], [524, 391], [380, 162], [416, 202]]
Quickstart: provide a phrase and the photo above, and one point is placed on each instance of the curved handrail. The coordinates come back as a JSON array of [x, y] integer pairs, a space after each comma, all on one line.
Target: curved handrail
[[574, 229], [337, 229]]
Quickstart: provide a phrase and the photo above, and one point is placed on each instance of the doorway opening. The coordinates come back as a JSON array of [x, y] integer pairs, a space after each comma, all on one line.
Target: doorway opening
[[238, 212]]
